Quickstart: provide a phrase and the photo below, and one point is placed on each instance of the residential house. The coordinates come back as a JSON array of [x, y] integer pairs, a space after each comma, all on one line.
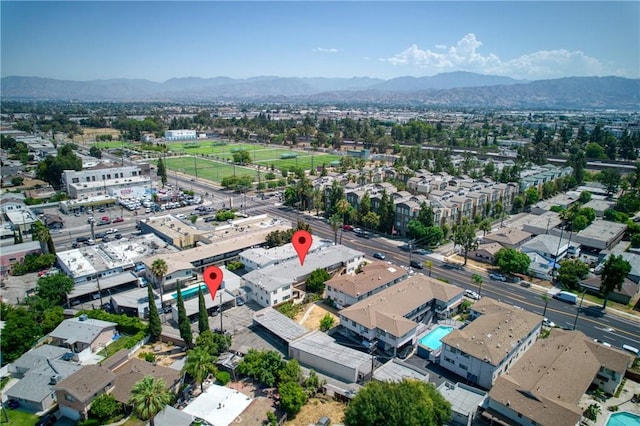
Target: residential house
[[507, 237], [391, 317], [13, 254], [498, 335], [76, 392], [485, 253], [548, 246], [464, 401], [38, 370], [347, 289], [83, 336], [623, 296], [177, 270], [601, 234], [546, 384]]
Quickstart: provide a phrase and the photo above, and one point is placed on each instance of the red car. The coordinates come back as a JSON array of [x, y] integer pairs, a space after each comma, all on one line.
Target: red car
[[347, 228], [41, 273], [118, 219]]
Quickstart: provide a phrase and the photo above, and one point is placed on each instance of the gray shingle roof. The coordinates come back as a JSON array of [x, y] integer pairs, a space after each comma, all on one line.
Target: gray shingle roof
[[81, 331]]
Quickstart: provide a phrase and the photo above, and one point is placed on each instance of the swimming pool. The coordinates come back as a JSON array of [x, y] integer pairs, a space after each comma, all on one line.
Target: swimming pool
[[186, 294], [623, 418], [432, 339]]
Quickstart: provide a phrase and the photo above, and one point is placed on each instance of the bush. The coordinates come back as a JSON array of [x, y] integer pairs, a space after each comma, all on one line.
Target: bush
[[288, 309], [224, 215], [223, 377], [147, 356]]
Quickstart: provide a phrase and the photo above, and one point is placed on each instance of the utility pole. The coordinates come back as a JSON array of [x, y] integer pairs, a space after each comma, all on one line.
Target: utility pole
[[195, 165], [220, 308], [575, 322]]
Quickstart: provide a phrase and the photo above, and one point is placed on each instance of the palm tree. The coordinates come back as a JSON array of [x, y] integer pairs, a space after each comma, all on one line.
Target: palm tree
[[149, 396], [477, 279], [200, 363], [335, 223], [41, 234], [342, 206], [428, 264], [545, 297], [159, 270]]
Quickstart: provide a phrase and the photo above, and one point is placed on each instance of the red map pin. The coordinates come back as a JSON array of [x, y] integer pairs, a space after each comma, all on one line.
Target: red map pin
[[301, 241], [213, 279]]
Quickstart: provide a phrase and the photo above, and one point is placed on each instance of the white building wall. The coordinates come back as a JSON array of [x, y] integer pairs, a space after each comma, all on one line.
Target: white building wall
[[510, 414], [323, 365]]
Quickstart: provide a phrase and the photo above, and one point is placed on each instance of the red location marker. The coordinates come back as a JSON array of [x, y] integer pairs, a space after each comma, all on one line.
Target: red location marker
[[213, 279], [301, 241]]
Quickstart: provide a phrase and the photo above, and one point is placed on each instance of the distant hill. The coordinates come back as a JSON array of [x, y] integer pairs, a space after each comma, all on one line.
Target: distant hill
[[447, 89]]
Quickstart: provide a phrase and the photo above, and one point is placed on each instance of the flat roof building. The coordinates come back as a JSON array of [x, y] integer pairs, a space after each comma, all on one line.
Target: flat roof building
[[601, 234]]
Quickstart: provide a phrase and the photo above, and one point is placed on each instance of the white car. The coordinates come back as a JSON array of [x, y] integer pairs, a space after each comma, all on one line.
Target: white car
[[111, 231], [472, 294], [181, 216], [548, 323]]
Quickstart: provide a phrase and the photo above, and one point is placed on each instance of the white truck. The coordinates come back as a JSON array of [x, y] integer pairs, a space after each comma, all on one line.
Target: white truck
[[565, 296]]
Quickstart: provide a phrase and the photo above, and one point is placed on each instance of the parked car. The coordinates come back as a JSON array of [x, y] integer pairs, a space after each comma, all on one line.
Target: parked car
[[118, 220], [524, 283], [47, 420], [379, 255], [454, 266], [421, 251], [472, 294], [117, 236], [100, 234], [416, 264], [111, 231], [548, 323], [497, 277], [41, 273], [347, 228]]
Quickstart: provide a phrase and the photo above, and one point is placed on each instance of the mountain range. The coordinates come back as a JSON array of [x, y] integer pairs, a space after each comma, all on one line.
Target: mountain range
[[460, 89]]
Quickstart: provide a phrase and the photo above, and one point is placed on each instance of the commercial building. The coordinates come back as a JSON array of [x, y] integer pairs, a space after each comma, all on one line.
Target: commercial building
[[498, 335], [179, 134], [105, 180], [546, 384], [259, 258], [274, 284], [601, 234], [347, 289], [390, 318]]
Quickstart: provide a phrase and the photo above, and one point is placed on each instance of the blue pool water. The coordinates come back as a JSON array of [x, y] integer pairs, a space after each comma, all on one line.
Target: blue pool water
[[623, 418], [432, 339], [186, 294]]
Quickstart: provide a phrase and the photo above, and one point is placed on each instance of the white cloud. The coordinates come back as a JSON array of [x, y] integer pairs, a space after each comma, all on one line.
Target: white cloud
[[464, 56], [325, 50]]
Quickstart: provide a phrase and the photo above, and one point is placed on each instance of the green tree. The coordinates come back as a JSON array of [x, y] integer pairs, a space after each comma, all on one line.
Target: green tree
[[429, 265], [585, 197], [512, 261], [96, 152], [214, 343], [292, 397], [261, 365], [155, 326], [20, 332], [290, 372], [635, 241], [409, 402], [162, 172], [315, 281], [610, 178], [184, 325], [50, 291], [465, 237], [571, 272], [364, 207], [199, 364], [592, 412], [593, 150], [371, 220], [51, 318], [485, 226], [50, 170], [242, 157], [149, 396], [531, 196], [203, 316], [104, 407], [614, 272], [326, 322]]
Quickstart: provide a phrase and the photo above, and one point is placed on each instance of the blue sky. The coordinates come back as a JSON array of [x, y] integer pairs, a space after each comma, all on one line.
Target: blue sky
[[162, 40]]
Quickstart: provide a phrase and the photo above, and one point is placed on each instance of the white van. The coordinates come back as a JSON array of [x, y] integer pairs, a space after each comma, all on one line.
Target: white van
[[565, 296]]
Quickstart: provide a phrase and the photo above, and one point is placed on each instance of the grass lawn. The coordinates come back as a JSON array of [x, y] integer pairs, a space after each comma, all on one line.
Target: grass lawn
[[211, 170], [18, 418], [114, 144], [305, 161]]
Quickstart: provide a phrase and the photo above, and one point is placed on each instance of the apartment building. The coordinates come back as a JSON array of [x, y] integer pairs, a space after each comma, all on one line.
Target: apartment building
[[104, 179], [498, 335]]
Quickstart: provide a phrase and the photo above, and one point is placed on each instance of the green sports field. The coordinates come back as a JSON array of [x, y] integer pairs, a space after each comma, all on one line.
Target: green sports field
[[211, 170]]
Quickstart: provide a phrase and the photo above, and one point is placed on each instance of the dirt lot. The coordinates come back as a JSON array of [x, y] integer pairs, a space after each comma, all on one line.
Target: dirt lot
[[312, 313], [90, 134], [316, 408], [166, 354]]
